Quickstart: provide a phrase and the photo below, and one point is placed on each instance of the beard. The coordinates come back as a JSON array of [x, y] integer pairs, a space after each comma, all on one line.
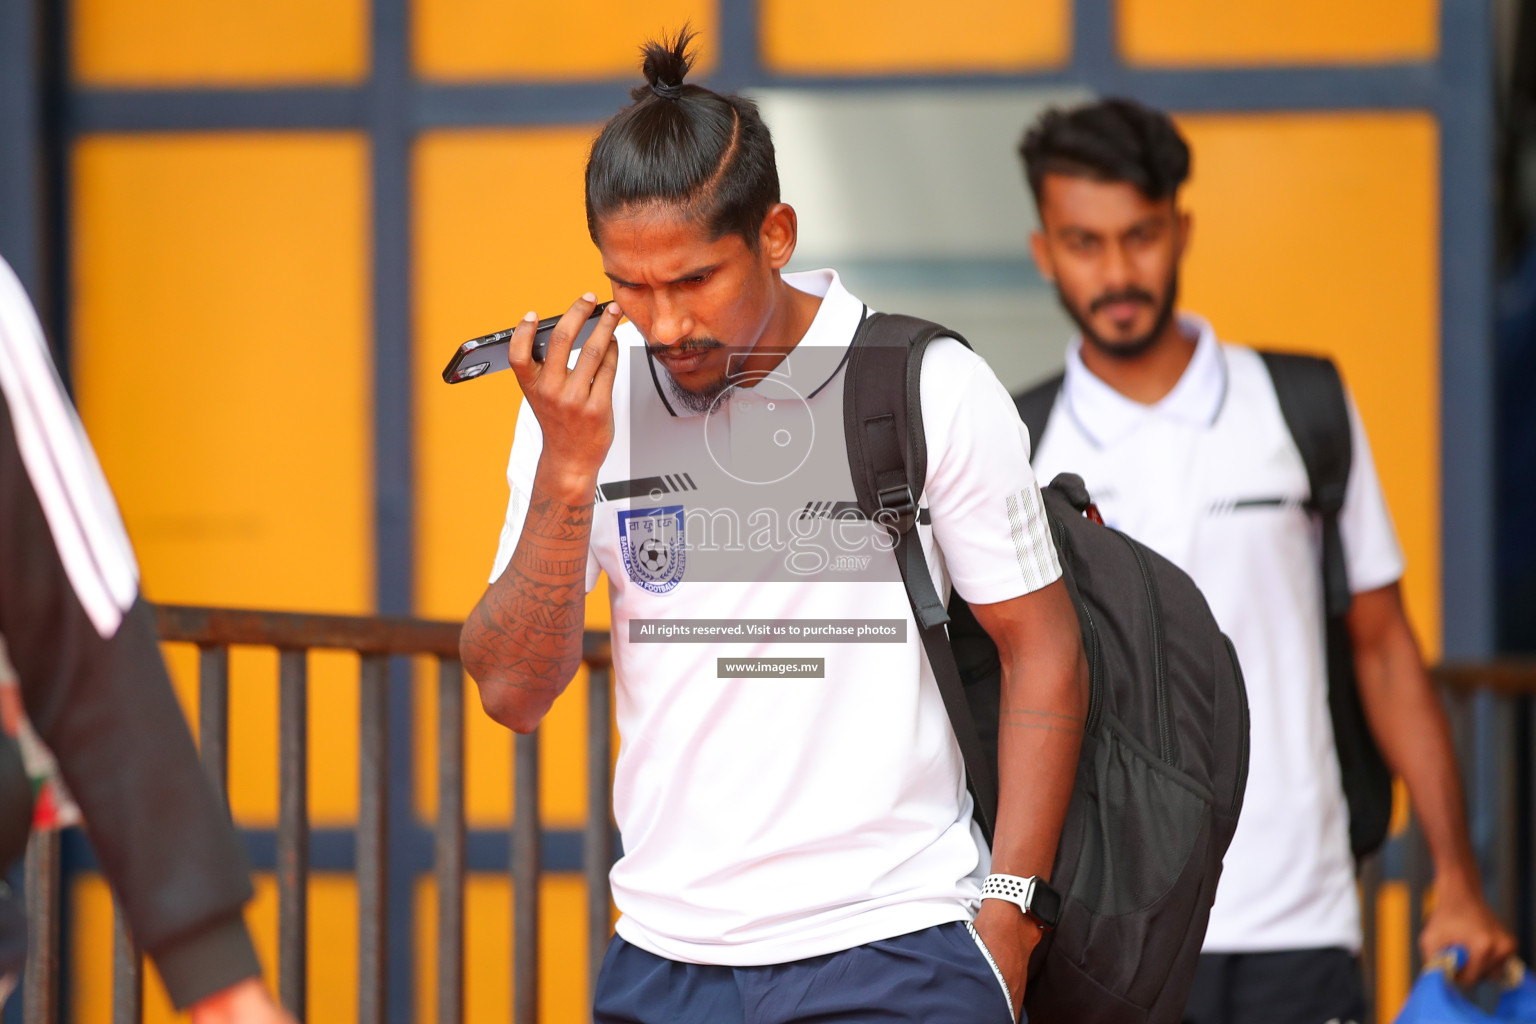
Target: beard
[[703, 399], [1135, 347]]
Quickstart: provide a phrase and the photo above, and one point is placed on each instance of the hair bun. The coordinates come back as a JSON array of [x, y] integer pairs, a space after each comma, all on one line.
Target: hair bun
[[666, 63]]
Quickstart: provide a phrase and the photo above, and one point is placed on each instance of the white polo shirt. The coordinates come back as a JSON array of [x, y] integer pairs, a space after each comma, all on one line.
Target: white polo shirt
[[1210, 478], [770, 819]]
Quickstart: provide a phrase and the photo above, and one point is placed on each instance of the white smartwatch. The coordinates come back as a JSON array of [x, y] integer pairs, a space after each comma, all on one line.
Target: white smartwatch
[[1033, 895]]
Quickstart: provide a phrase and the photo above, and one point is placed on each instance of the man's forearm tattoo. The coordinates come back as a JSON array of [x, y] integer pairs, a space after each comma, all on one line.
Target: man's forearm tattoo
[[530, 622]]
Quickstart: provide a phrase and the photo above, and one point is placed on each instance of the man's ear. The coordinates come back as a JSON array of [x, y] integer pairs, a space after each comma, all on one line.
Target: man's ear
[[776, 238], [1186, 228], [1041, 251]]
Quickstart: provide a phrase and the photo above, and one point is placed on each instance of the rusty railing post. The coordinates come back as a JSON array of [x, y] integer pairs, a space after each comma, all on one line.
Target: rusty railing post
[[1370, 894], [525, 879], [293, 830], [40, 998], [449, 844], [1417, 872], [127, 972], [1506, 805], [597, 853], [213, 715], [372, 833]]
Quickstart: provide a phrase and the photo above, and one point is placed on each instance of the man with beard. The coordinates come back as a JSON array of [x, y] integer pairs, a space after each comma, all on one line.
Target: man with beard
[[1183, 445], [802, 848]]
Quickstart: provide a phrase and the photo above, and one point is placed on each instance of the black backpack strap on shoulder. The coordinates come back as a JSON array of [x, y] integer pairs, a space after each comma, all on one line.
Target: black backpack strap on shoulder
[[1312, 401], [887, 449], [1035, 407], [1316, 412], [888, 457]]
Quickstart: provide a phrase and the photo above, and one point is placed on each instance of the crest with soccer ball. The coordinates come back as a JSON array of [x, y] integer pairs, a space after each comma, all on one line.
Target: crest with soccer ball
[[651, 540]]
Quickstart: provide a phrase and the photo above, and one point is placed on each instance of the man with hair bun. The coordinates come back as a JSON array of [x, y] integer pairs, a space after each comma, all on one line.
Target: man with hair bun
[[798, 836], [1184, 444]]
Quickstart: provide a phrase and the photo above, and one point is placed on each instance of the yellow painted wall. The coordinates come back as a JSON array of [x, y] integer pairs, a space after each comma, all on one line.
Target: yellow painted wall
[[212, 276], [1319, 232], [850, 37], [488, 950], [500, 228], [574, 39], [219, 42], [1209, 33], [222, 365]]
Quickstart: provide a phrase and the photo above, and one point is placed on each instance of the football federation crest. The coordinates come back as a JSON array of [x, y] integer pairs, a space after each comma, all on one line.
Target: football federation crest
[[651, 541]]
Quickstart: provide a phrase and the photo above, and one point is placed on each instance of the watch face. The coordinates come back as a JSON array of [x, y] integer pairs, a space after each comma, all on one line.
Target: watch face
[[1045, 904]]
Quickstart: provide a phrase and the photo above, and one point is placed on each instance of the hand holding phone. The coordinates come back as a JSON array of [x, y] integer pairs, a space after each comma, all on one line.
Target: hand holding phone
[[573, 401], [487, 354]]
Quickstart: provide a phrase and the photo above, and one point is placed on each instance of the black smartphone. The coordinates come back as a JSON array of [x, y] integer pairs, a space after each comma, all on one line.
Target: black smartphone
[[488, 353]]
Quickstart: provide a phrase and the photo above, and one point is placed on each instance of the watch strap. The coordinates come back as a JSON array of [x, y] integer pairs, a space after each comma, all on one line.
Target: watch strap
[[1033, 895]]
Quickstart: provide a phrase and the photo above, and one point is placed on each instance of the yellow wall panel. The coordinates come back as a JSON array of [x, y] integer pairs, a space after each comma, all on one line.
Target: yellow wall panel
[[500, 228], [1320, 232], [524, 39], [1194, 32], [332, 932], [488, 949], [848, 37], [197, 42], [222, 364]]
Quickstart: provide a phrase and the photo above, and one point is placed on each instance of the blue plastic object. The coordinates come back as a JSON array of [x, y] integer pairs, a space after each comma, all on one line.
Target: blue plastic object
[[1436, 999], [1518, 1003]]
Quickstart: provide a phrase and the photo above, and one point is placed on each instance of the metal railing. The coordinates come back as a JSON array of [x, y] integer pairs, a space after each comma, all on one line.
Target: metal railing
[[375, 640], [1490, 709]]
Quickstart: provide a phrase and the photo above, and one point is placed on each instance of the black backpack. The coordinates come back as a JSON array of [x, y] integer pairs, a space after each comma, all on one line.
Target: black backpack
[[1165, 747], [1312, 401]]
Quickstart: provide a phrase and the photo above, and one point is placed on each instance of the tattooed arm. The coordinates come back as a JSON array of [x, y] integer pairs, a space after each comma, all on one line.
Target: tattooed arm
[[1044, 706], [522, 642]]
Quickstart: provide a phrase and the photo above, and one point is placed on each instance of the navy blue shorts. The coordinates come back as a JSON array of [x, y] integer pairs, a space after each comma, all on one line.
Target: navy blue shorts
[[1297, 986], [936, 976]]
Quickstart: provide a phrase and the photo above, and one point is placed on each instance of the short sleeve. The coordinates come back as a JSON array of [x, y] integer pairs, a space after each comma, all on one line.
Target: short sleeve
[[527, 444], [987, 514], [1371, 549]]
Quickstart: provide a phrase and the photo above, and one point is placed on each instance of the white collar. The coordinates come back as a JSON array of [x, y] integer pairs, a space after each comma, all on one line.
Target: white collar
[[1106, 416], [834, 325], [840, 312]]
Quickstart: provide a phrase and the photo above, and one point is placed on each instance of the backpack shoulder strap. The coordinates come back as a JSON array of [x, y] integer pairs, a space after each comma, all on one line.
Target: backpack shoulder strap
[[1313, 402], [883, 424], [888, 457], [1035, 407], [1311, 395]]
